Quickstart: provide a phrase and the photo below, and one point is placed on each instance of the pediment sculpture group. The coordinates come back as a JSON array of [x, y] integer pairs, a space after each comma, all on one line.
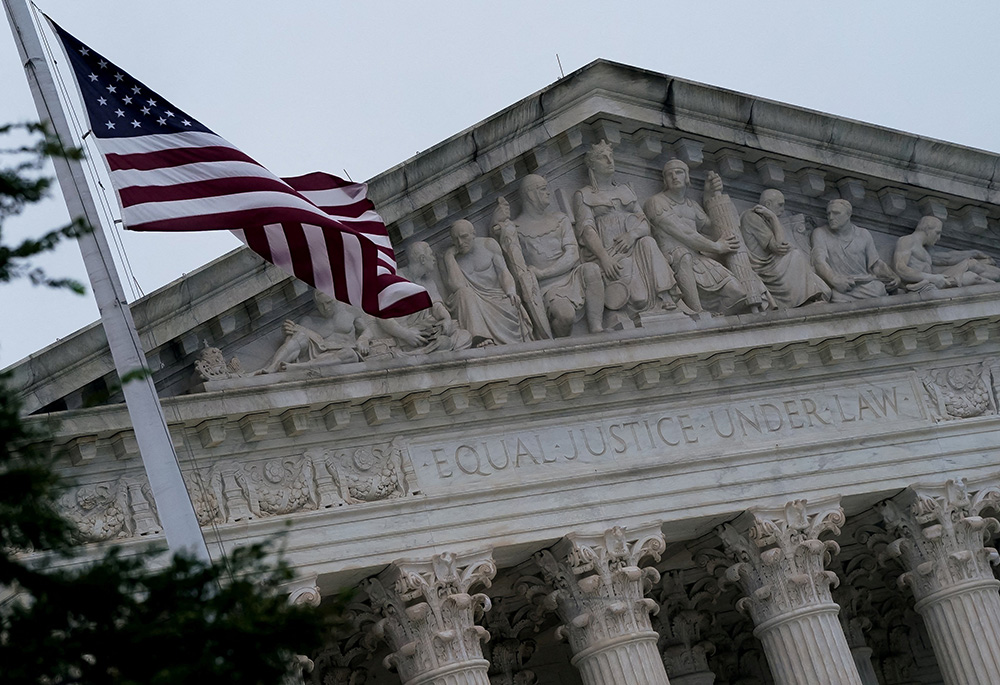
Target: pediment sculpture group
[[544, 274]]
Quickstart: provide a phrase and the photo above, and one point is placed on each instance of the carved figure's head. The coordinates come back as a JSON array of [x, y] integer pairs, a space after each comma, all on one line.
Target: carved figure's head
[[326, 305], [773, 200], [676, 175], [931, 227], [838, 214], [600, 159], [535, 192], [463, 236], [421, 259]]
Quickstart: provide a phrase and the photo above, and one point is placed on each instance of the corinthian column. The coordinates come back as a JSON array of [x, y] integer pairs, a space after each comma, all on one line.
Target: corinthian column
[[940, 542], [781, 567], [597, 586], [428, 618]]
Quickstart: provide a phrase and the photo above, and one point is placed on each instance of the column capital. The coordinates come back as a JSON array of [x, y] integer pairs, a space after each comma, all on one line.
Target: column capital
[[596, 585], [509, 648], [344, 662], [780, 561], [427, 614], [939, 535], [682, 623]]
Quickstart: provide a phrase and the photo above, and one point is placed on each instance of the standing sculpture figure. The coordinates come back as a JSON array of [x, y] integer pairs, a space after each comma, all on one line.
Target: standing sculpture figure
[[920, 270], [844, 256], [542, 243], [483, 295], [783, 268], [429, 330], [678, 226], [614, 232], [339, 335]]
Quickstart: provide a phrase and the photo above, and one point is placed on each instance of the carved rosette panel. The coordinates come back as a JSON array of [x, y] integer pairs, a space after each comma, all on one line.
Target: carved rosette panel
[[368, 474], [428, 616], [960, 392], [683, 621], [110, 510], [781, 562], [940, 536], [596, 585]]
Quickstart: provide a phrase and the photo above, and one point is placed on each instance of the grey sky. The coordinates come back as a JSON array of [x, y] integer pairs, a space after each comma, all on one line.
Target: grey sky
[[362, 86]]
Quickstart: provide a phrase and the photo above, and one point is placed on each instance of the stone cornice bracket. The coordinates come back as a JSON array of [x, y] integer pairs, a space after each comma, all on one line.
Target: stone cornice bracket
[[427, 614], [597, 586], [940, 535], [304, 592], [781, 562]]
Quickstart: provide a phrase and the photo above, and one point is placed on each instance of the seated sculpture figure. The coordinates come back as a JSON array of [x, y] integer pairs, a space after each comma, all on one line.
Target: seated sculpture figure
[[541, 243], [679, 226], [483, 295], [428, 330], [844, 256], [921, 270], [784, 269], [338, 335], [614, 232]]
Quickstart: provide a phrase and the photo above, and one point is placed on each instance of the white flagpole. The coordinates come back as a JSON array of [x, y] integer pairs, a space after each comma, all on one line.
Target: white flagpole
[[174, 507]]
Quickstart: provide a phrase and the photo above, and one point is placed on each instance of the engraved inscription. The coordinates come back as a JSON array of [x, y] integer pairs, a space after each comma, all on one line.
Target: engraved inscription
[[669, 435]]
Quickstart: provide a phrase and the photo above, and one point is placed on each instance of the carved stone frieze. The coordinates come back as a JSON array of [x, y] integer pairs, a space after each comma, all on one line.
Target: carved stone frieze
[[427, 613], [110, 510], [231, 491], [212, 366], [960, 392], [368, 474]]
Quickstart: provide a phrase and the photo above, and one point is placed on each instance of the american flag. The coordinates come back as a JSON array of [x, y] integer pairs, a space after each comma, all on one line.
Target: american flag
[[172, 173]]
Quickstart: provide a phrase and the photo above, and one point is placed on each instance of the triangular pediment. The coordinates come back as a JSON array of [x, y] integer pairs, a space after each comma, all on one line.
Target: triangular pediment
[[237, 304]]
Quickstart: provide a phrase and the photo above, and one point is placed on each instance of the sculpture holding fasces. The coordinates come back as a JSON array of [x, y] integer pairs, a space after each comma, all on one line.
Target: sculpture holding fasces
[[482, 292], [615, 234], [844, 255], [339, 334], [428, 330], [679, 227], [784, 269], [543, 254], [920, 269]]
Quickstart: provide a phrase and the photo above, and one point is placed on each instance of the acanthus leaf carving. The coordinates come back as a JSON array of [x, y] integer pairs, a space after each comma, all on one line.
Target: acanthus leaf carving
[[596, 584], [940, 536], [427, 612], [780, 564]]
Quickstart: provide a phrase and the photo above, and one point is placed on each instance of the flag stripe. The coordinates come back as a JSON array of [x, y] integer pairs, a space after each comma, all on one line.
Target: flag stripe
[[164, 159]]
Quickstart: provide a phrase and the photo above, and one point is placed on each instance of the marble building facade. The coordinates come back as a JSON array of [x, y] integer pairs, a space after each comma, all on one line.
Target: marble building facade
[[709, 394]]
